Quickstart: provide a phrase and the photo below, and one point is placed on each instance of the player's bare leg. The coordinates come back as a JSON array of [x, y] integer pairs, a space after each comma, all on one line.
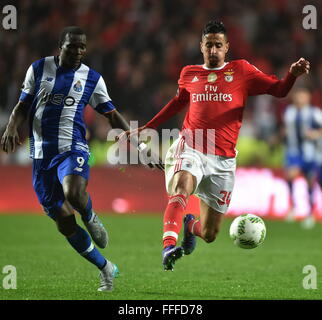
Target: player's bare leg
[[65, 220], [74, 187], [183, 186], [207, 227], [210, 222], [291, 174], [309, 221]]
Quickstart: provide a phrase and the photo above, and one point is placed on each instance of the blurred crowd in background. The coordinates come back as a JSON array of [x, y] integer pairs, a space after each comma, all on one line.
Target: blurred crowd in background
[[140, 46]]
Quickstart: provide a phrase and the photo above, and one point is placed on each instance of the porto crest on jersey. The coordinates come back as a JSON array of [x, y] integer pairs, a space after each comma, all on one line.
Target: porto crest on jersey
[[212, 77], [229, 75], [78, 86]]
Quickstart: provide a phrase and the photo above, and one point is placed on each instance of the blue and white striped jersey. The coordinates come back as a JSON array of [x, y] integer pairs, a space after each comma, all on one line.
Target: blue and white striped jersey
[[297, 122], [58, 97]]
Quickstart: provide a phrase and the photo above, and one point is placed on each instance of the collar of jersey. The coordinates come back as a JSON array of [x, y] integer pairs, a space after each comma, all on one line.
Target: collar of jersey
[[56, 59], [219, 68]]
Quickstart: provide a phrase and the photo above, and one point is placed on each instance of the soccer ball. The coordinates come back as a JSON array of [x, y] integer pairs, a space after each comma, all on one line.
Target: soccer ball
[[247, 231]]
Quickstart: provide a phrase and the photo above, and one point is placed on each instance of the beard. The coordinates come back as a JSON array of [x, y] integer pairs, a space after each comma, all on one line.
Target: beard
[[213, 62]]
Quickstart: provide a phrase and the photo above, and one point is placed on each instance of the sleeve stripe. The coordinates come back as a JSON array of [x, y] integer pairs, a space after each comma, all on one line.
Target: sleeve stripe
[[105, 107], [26, 97]]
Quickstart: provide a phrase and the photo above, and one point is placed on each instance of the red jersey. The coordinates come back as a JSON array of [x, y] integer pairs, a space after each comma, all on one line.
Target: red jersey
[[216, 99]]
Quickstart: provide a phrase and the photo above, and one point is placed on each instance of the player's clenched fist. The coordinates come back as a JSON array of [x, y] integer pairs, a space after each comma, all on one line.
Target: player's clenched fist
[[300, 67]]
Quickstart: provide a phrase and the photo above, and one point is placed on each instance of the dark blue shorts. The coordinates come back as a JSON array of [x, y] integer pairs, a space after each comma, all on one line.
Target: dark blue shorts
[[308, 168], [48, 175]]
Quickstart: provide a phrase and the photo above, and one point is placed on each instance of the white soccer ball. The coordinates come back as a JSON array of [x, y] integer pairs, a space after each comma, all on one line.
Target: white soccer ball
[[247, 231]]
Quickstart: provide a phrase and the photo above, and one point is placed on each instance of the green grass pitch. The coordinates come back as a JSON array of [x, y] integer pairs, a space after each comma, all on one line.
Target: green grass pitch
[[48, 268]]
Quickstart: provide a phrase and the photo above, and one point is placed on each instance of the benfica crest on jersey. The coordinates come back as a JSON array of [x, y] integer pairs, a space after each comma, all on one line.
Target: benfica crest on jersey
[[229, 75], [212, 77]]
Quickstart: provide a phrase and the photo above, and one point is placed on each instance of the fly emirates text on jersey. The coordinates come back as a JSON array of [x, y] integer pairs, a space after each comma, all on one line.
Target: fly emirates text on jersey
[[210, 94]]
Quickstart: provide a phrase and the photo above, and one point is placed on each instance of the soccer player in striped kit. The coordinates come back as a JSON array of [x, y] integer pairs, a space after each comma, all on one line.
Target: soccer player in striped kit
[[303, 130], [202, 161], [54, 94]]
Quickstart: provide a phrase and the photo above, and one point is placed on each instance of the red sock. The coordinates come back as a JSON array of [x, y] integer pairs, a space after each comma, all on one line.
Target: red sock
[[172, 219], [194, 227]]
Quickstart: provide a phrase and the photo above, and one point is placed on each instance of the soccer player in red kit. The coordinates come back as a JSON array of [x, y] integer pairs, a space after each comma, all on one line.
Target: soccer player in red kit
[[202, 160]]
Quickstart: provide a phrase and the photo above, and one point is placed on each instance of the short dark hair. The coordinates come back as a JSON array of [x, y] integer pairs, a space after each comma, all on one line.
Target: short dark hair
[[69, 30], [214, 27]]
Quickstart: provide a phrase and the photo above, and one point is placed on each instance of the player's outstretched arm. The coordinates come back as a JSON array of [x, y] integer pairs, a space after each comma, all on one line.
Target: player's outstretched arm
[[173, 107], [261, 83], [10, 138], [118, 121], [282, 87]]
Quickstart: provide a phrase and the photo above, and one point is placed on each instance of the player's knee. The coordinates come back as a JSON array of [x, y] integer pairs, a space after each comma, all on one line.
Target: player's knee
[[183, 184], [74, 196], [181, 188]]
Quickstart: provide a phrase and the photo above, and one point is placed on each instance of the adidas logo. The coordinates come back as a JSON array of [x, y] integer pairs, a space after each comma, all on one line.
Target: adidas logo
[[195, 79]]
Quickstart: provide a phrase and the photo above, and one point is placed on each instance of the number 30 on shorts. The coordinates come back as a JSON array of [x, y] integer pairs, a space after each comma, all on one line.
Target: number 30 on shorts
[[226, 195]]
